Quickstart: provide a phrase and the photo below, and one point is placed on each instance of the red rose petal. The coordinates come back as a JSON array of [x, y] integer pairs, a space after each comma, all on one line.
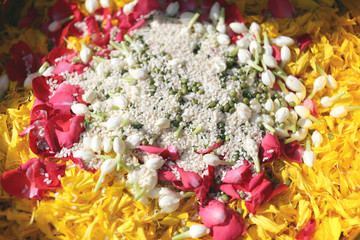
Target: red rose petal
[[238, 175], [310, 104], [281, 8], [213, 214], [308, 232], [303, 40], [270, 148], [212, 148], [231, 229], [293, 151]]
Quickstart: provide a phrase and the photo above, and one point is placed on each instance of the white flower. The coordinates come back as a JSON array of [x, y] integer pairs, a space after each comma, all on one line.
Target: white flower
[[119, 146], [215, 12], [302, 111], [269, 61], [129, 8], [254, 47], [4, 85], [48, 71], [108, 166], [319, 83], [251, 147], [255, 106], [120, 101], [242, 43], [172, 9], [113, 123], [281, 133], [309, 158], [238, 27], [269, 105], [301, 94], [277, 105], [243, 56], [304, 123], [285, 55], [99, 69], [326, 101], [84, 155], [79, 109], [243, 111], [282, 41], [338, 112], [29, 79], [268, 78], [186, 17], [134, 140], [268, 49], [153, 161], [293, 117], [107, 145], [163, 123], [222, 29], [254, 28], [96, 144], [282, 115], [105, 3], [294, 84], [147, 179], [212, 160], [130, 60], [139, 73], [300, 134], [331, 82], [292, 98], [169, 200], [54, 26], [223, 39], [89, 96], [199, 28], [117, 62], [85, 54], [91, 5], [154, 193], [268, 119], [198, 230], [317, 139]]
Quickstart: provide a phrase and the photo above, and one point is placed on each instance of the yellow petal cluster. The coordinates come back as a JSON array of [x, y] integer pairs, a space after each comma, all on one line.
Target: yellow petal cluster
[[329, 192]]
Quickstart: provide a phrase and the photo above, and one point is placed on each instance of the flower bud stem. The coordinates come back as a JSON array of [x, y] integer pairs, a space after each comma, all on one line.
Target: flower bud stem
[[152, 139], [282, 87], [257, 164], [43, 67], [105, 157], [178, 131], [234, 52], [353, 108], [197, 130], [258, 38], [181, 236], [222, 16], [99, 59], [314, 119], [311, 94], [188, 194], [120, 163], [269, 128], [308, 144], [263, 64], [289, 140], [339, 95], [321, 71], [115, 45], [192, 21], [255, 66], [128, 38], [69, 18], [99, 181], [139, 192], [283, 76], [266, 38], [293, 128]]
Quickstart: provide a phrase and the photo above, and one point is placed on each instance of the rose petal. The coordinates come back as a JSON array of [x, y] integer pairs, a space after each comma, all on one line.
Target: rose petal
[[303, 40], [213, 214], [310, 104], [238, 175], [293, 151], [212, 148], [67, 137], [308, 231], [270, 148], [281, 8], [231, 229]]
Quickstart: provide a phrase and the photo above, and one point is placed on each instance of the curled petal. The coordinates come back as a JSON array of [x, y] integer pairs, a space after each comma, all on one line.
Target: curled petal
[[303, 40], [270, 148], [238, 175], [212, 148], [310, 104], [70, 135], [308, 231]]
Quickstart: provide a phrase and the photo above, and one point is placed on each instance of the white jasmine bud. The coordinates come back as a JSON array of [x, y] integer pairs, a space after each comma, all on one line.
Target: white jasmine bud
[[134, 140], [243, 56], [91, 5], [107, 145], [293, 117], [195, 231], [255, 106], [153, 162], [119, 146], [89, 96], [186, 17], [268, 49], [29, 79], [87, 142], [85, 53], [96, 144], [105, 3], [79, 109], [163, 123], [285, 55], [54, 26], [301, 94], [199, 28], [282, 115], [294, 84], [267, 119], [223, 39], [254, 47], [130, 60], [48, 71], [269, 105], [318, 85], [309, 158], [268, 78], [304, 123], [106, 167], [243, 111], [277, 105], [118, 63], [238, 27], [243, 43], [329, 101], [139, 73], [4, 85], [113, 123], [254, 28], [292, 99], [129, 8], [331, 82], [215, 12], [169, 200], [302, 111], [300, 134], [282, 133], [154, 193], [339, 112], [99, 69], [221, 28], [172, 9], [120, 101], [84, 155], [282, 41], [317, 139], [214, 160], [269, 61]]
